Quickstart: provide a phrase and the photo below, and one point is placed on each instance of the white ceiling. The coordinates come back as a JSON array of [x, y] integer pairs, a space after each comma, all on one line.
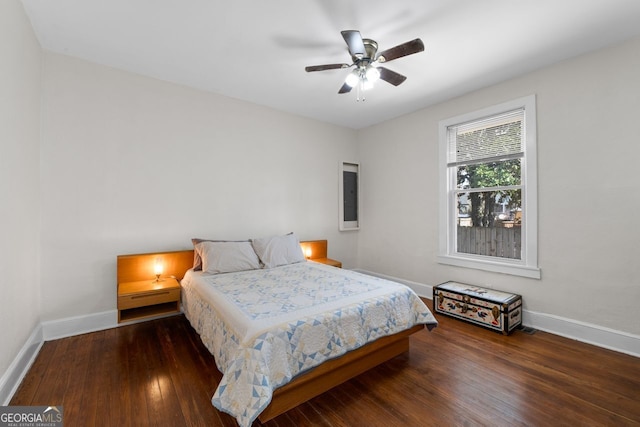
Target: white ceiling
[[256, 50]]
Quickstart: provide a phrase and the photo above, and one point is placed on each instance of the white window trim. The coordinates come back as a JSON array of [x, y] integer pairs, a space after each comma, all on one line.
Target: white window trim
[[528, 265], [342, 224]]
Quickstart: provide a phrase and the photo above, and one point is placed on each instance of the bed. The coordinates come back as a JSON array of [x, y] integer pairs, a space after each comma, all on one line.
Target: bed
[[284, 329]]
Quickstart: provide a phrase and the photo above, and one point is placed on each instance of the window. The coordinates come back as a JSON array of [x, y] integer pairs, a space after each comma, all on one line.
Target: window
[[488, 191]]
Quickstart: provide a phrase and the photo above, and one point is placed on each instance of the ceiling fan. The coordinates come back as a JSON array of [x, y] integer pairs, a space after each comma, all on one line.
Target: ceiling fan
[[363, 53]]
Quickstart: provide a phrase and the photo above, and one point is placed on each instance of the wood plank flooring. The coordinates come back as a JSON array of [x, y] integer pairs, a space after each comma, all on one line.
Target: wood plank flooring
[[158, 373]]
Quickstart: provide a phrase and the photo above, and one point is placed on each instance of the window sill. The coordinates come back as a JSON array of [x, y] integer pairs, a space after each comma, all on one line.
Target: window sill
[[489, 265]]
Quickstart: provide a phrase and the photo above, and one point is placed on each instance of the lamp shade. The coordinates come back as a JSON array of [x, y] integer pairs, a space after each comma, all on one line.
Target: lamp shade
[[157, 267], [353, 78], [373, 74]]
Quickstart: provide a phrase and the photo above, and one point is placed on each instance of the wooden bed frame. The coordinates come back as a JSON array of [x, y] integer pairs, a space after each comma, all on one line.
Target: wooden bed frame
[[303, 387]]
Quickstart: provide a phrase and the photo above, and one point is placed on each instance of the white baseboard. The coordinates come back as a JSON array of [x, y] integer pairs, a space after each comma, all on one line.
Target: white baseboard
[[18, 369], [574, 329], [425, 291], [600, 336], [55, 329]]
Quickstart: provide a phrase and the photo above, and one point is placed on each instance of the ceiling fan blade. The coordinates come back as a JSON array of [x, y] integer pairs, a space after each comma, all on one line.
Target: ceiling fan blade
[[391, 76], [404, 49], [325, 67], [345, 88], [355, 43]]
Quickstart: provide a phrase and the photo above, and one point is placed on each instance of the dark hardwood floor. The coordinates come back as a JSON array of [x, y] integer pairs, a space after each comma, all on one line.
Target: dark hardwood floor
[[159, 373]]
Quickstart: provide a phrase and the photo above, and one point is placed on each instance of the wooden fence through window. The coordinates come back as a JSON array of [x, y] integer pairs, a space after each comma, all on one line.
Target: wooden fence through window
[[498, 242]]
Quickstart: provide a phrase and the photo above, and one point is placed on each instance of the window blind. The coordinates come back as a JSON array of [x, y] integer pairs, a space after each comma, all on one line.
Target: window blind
[[494, 138]]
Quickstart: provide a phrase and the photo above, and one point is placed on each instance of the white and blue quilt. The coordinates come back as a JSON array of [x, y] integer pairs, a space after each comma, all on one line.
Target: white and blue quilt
[[266, 326]]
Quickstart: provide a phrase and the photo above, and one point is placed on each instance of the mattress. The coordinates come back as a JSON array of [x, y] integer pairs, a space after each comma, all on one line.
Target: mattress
[[266, 326]]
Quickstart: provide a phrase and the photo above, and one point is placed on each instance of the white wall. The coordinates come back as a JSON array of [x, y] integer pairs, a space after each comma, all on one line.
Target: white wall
[[588, 150], [131, 164], [19, 180]]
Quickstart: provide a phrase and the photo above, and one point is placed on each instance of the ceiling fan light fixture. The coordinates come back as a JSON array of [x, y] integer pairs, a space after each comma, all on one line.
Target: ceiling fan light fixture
[[353, 78], [373, 74]]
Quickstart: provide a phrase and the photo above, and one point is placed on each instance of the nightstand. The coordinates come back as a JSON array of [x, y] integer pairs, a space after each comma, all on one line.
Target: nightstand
[[148, 298], [316, 250], [328, 261]]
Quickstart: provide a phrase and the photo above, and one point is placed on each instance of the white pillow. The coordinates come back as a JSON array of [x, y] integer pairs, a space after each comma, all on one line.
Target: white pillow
[[197, 259], [278, 250], [227, 257]]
